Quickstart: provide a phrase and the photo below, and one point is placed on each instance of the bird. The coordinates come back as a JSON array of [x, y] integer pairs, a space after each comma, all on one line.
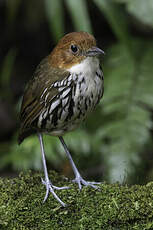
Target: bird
[[65, 87]]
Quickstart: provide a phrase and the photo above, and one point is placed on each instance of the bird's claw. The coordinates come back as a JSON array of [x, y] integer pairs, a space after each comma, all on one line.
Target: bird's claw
[[50, 188], [80, 181]]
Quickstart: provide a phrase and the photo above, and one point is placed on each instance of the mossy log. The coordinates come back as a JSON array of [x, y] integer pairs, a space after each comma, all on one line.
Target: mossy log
[[113, 206]]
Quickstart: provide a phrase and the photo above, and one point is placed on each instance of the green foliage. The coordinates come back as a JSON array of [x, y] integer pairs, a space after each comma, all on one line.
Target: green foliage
[[55, 14], [55, 17], [128, 94], [116, 19], [28, 155], [12, 9], [5, 72], [142, 10], [79, 13], [111, 207]]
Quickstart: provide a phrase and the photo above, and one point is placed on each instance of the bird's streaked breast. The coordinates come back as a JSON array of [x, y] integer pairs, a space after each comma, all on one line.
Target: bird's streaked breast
[[77, 95]]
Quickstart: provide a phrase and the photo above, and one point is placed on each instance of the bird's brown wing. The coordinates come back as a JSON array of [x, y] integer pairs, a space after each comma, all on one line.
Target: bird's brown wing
[[34, 99]]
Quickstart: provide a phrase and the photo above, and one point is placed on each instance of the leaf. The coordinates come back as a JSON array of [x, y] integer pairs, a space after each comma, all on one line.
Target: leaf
[[127, 123], [6, 70], [143, 10], [54, 12], [79, 14], [12, 10], [28, 154], [117, 20]]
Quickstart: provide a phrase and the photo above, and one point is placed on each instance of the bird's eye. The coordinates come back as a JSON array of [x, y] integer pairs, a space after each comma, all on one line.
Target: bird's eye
[[74, 48]]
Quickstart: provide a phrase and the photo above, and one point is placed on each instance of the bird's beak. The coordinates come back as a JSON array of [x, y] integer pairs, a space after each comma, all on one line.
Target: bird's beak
[[94, 51]]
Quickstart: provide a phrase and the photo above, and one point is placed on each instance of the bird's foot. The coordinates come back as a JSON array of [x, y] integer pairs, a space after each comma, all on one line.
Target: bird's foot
[[50, 188], [80, 181]]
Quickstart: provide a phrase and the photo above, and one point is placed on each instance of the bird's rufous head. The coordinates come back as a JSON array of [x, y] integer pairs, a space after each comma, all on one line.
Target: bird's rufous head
[[72, 49]]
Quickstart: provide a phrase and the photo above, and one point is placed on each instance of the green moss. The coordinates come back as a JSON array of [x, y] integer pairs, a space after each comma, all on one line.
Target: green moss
[[111, 207]]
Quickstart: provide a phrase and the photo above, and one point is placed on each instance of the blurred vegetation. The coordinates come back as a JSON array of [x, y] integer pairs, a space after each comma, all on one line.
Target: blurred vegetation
[[116, 142]]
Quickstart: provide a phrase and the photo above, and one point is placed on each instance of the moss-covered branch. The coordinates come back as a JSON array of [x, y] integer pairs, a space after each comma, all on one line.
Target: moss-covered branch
[[110, 207]]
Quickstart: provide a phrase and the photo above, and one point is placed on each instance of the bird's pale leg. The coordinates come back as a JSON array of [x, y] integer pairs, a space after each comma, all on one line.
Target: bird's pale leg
[[49, 186], [78, 178]]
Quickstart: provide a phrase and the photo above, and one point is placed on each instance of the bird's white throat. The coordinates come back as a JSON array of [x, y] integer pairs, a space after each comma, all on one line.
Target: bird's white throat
[[88, 66]]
